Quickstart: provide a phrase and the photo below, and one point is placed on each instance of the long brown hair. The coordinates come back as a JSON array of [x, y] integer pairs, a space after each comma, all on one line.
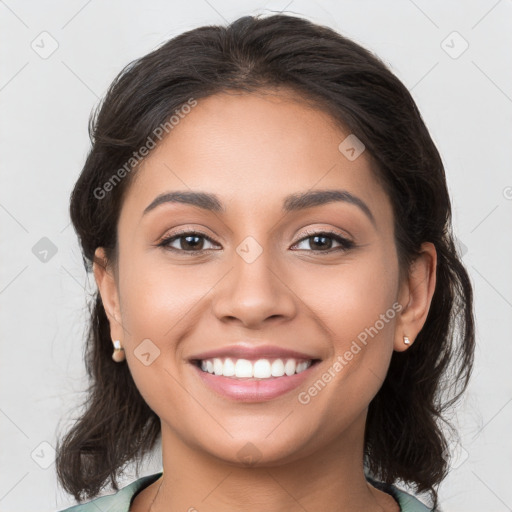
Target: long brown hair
[[404, 439]]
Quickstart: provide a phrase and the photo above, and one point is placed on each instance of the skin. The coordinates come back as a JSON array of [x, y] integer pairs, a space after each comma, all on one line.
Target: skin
[[252, 150]]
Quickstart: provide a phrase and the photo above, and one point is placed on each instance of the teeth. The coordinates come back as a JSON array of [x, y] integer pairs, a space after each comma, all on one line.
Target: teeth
[[217, 367], [243, 368], [302, 366], [260, 369], [277, 369], [228, 369], [289, 367]]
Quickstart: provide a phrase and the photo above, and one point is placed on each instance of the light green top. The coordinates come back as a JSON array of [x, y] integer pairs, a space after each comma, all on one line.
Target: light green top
[[122, 499]]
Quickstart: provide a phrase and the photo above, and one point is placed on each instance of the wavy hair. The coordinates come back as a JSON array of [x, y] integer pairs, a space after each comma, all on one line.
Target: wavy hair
[[404, 438]]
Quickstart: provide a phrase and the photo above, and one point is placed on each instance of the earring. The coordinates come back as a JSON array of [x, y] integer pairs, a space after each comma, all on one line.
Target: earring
[[118, 354], [406, 340]]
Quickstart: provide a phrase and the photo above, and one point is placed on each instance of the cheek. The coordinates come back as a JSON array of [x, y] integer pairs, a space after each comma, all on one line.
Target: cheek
[[157, 307], [353, 295], [161, 305], [157, 295], [357, 306]]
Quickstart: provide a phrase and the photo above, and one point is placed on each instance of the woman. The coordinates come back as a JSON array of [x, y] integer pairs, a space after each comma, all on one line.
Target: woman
[[279, 294]]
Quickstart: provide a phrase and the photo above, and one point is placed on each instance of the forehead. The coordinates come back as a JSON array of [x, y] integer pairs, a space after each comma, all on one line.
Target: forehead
[[252, 149]]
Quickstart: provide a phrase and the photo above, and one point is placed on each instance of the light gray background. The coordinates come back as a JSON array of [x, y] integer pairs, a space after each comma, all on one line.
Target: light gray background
[[466, 103]]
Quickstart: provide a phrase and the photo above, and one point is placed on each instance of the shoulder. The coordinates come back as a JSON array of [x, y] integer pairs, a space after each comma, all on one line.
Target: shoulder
[[117, 502], [407, 502]]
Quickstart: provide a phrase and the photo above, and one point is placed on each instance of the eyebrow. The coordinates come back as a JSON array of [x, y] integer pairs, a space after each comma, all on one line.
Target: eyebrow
[[291, 203]]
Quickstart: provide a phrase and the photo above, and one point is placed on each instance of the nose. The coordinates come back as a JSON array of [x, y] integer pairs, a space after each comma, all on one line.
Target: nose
[[254, 293]]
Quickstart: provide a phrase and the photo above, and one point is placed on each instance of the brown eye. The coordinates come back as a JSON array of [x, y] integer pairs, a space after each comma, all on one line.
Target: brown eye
[[322, 241], [188, 241]]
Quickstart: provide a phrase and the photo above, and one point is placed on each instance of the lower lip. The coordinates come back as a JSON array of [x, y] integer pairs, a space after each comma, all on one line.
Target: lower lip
[[253, 390]]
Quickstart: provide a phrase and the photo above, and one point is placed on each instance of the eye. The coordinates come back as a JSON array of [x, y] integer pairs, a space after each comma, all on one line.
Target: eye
[[193, 242], [323, 239], [188, 241]]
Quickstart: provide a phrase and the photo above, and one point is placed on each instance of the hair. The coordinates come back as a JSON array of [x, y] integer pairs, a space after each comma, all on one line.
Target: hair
[[404, 438]]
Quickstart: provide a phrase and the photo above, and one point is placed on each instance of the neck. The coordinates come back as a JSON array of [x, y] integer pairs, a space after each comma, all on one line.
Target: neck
[[329, 479]]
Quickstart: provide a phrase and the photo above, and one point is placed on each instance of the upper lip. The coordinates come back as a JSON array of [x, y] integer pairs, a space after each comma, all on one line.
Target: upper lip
[[246, 351]]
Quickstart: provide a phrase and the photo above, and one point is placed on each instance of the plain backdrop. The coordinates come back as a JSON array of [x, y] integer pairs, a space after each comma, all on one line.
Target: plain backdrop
[[58, 58]]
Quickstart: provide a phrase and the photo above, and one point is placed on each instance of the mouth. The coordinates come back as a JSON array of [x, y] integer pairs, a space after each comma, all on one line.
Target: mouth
[[253, 380], [258, 369]]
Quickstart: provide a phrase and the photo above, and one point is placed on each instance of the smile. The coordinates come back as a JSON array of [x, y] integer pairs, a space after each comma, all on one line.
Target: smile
[[260, 380], [256, 369]]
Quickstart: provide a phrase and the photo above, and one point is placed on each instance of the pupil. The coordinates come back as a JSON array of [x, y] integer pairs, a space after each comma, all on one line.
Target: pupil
[[187, 238], [317, 237]]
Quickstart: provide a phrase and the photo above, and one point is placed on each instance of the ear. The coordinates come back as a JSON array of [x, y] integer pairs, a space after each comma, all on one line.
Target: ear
[[104, 276], [415, 296]]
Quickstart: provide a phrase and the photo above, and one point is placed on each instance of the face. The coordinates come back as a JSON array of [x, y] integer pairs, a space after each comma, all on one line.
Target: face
[[258, 275]]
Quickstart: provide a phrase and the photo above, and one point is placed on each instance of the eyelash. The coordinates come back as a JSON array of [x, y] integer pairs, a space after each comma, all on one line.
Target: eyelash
[[345, 243]]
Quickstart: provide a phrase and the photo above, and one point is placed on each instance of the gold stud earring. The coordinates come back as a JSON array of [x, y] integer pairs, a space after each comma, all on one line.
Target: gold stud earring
[[407, 341], [118, 354]]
